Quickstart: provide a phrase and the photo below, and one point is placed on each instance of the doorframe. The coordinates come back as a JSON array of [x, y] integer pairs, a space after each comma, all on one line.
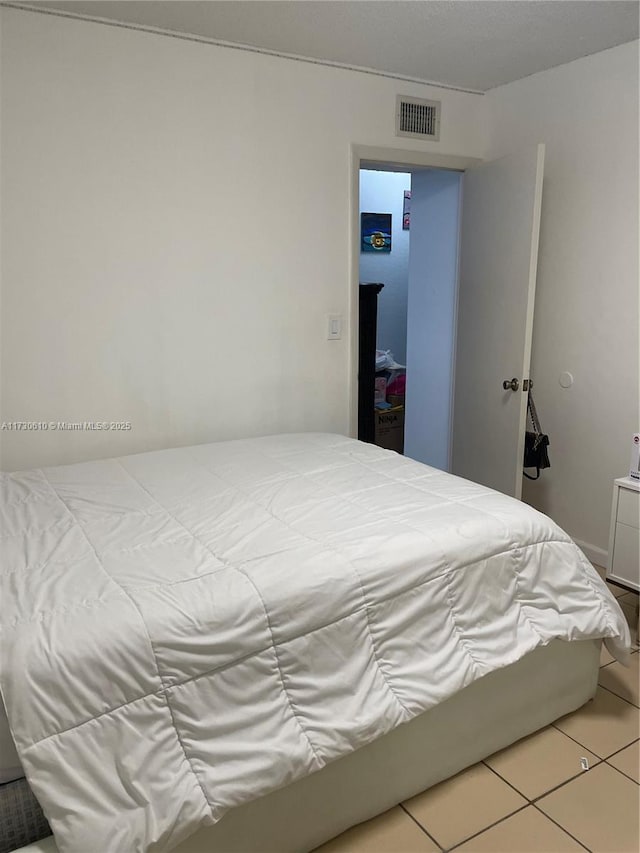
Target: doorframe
[[372, 157]]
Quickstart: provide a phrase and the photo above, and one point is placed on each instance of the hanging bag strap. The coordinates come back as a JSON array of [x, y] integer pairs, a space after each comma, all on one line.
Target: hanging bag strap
[[535, 420]]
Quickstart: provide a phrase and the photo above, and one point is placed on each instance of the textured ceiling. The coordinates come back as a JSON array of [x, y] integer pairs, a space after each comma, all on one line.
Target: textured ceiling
[[468, 44]]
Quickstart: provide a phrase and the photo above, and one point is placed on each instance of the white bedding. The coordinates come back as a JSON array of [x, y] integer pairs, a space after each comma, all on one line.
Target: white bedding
[[186, 630]]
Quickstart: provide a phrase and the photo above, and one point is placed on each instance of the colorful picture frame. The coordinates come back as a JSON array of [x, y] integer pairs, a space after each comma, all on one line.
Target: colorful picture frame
[[406, 210], [375, 232]]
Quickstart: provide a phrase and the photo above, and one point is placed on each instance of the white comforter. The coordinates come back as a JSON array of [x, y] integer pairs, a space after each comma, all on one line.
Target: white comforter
[[186, 630]]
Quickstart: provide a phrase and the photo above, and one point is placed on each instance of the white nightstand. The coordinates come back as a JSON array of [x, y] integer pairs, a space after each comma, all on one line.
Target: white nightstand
[[624, 534]]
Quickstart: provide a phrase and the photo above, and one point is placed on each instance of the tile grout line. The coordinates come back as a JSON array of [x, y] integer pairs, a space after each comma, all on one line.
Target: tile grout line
[[420, 826], [591, 749], [529, 802], [572, 738], [600, 759], [495, 823], [560, 826], [622, 748], [622, 773], [628, 701], [626, 775], [535, 800], [490, 826], [506, 781]]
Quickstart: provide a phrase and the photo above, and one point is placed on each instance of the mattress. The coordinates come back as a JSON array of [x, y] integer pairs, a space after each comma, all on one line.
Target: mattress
[[185, 631], [549, 682]]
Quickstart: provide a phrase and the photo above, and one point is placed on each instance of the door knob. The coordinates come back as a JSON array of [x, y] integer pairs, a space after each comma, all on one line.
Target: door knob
[[512, 384]]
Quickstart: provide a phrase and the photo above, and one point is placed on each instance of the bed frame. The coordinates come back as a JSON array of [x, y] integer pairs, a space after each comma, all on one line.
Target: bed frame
[[489, 715]]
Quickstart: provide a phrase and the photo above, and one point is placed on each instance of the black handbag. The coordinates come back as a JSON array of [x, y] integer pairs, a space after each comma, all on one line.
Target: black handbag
[[535, 443]]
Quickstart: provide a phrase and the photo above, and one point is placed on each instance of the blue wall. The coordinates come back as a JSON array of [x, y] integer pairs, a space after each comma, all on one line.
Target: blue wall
[[383, 192]]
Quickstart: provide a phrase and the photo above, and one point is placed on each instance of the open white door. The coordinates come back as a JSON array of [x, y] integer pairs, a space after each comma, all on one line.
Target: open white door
[[498, 262]]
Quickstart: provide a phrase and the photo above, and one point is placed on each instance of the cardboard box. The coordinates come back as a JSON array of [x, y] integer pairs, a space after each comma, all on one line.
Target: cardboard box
[[634, 471], [390, 430], [395, 399]]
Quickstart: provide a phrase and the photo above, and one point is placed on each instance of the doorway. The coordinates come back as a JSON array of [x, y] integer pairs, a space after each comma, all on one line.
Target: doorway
[[416, 267], [492, 326], [384, 277]]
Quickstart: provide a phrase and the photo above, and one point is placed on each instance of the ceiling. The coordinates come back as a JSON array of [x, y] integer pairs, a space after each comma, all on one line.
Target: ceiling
[[467, 44]]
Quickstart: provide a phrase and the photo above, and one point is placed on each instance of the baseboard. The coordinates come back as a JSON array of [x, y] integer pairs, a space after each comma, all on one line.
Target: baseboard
[[599, 556]]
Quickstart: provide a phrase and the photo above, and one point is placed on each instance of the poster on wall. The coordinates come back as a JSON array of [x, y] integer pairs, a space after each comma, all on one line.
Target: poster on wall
[[375, 232], [406, 210]]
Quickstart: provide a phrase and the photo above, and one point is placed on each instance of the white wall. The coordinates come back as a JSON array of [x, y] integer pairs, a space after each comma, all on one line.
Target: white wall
[[586, 316], [175, 228], [431, 332], [383, 192]]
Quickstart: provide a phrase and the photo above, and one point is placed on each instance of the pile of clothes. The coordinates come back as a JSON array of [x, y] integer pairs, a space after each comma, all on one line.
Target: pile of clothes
[[391, 380]]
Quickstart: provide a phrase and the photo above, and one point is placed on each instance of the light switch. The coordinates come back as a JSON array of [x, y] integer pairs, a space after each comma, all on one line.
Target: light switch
[[334, 327]]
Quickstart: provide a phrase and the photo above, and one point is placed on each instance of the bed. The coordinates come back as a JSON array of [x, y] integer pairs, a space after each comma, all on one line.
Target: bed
[[210, 648]]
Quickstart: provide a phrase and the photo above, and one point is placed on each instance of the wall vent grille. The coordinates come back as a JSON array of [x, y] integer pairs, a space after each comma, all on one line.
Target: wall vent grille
[[417, 118]]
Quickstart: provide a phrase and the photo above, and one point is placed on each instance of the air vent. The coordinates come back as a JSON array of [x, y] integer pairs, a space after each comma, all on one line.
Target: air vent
[[418, 118]]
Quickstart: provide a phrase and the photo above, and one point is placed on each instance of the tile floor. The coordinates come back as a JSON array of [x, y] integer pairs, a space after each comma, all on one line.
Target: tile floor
[[533, 797]]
